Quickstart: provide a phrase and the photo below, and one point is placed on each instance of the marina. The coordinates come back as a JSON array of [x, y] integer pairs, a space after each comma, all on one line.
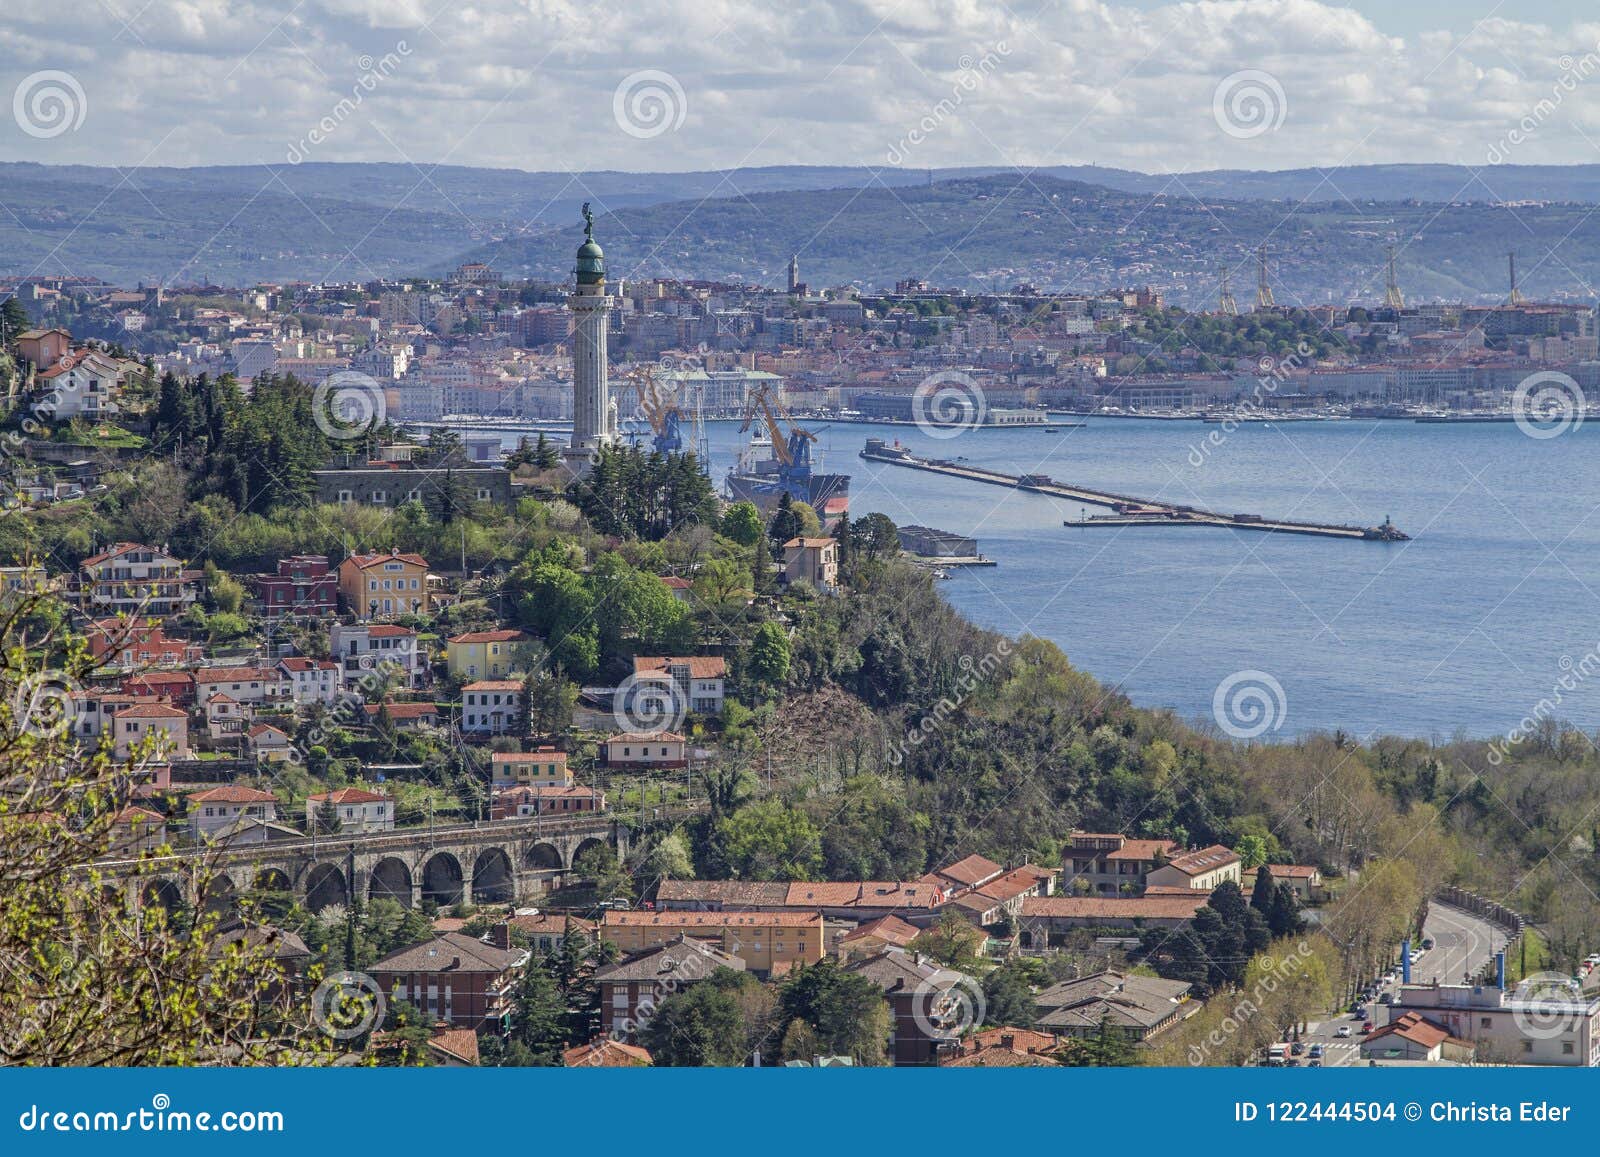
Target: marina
[[1127, 509]]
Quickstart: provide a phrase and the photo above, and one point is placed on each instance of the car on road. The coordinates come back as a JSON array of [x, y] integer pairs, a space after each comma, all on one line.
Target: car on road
[[1427, 941], [1316, 1051], [1366, 1026], [1314, 1063], [1386, 998], [1297, 1047], [1342, 1031]]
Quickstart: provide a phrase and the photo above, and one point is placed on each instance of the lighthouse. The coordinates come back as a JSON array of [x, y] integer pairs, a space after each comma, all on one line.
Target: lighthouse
[[593, 422]]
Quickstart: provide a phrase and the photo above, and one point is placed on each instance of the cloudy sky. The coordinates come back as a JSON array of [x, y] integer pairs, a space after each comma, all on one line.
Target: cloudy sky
[[689, 84]]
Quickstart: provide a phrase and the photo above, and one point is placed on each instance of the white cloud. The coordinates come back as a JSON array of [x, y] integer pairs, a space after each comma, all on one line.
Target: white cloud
[[529, 83]]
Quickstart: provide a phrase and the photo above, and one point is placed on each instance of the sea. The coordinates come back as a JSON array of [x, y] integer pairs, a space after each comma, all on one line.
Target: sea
[[1485, 621]]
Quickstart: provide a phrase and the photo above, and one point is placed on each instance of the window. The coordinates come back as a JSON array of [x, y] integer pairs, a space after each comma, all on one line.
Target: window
[[1566, 1048], [379, 498], [483, 494], [344, 498], [1484, 1022], [1527, 1046]]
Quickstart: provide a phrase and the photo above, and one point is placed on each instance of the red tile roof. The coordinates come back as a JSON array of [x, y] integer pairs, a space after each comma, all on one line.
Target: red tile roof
[[363, 561], [700, 666], [500, 636], [232, 793], [971, 871], [1204, 860], [151, 711], [1115, 908], [350, 795], [606, 1053]]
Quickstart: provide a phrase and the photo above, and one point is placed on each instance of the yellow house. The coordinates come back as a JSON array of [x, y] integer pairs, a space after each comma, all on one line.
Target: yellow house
[[766, 941], [485, 654], [546, 767], [382, 585]]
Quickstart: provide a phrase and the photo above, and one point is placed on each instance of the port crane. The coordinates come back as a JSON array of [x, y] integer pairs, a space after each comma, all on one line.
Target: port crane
[[661, 408], [792, 452]]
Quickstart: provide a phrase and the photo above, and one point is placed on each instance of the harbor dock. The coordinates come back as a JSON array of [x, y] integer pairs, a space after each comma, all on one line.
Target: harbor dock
[[1127, 509]]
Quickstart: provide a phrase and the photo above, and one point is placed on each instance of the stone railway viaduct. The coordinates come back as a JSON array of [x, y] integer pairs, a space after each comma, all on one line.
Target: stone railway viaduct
[[482, 863]]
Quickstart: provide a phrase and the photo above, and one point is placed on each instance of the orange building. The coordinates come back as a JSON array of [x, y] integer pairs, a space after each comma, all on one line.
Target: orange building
[[766, 941], [377, 586]]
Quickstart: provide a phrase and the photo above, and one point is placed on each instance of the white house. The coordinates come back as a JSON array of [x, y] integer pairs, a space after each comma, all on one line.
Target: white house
[[253, 685], [491, 707], [161, 723], [84, 384], [356, 809], [691, 683], [220, 807], [365, 650], [310, 680]]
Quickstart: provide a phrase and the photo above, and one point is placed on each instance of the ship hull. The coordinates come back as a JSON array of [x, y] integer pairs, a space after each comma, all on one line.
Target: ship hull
[[827, 494]]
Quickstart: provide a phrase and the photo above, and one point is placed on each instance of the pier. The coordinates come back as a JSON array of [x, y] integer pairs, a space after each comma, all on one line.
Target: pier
[[1128, 510]]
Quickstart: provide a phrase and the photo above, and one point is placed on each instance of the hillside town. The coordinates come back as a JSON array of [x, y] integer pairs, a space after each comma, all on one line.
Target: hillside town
[[557, 757]]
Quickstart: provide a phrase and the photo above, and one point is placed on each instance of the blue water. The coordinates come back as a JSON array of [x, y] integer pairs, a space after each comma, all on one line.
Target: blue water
[[1463, 629]]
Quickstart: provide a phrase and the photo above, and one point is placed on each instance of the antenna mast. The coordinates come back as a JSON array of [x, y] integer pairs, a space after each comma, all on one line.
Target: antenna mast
[[1227, 304]]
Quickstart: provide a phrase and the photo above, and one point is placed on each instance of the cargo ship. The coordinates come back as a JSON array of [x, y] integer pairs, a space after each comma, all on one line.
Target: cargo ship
[[763, 477], [774, 464]]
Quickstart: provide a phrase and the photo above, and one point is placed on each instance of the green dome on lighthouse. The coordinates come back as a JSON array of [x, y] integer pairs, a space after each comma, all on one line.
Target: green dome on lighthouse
[[591, 268]]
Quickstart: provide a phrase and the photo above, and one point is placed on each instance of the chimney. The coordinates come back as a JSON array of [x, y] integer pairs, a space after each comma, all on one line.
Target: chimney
[[500, 935]]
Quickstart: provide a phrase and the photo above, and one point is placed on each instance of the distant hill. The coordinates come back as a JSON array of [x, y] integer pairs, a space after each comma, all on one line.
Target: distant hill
[[1069, 226], [995, 231]]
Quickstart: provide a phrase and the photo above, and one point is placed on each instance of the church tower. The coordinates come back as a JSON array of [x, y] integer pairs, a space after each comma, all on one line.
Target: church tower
[[593, 424]]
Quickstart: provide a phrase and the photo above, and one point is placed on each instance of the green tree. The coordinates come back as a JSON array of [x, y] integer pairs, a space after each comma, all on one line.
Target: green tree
[[699, 1026], [161, 991], [769, 654], [770, 840], [539, 1023], [1008, 997], [1252, 851], [742, 523], [845, 1011]]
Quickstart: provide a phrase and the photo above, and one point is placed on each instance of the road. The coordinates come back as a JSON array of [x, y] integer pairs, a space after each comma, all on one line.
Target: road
[[1461, 941]]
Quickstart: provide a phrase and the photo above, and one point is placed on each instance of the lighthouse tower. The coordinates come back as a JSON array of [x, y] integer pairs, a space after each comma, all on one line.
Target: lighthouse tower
[[593, 423]]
